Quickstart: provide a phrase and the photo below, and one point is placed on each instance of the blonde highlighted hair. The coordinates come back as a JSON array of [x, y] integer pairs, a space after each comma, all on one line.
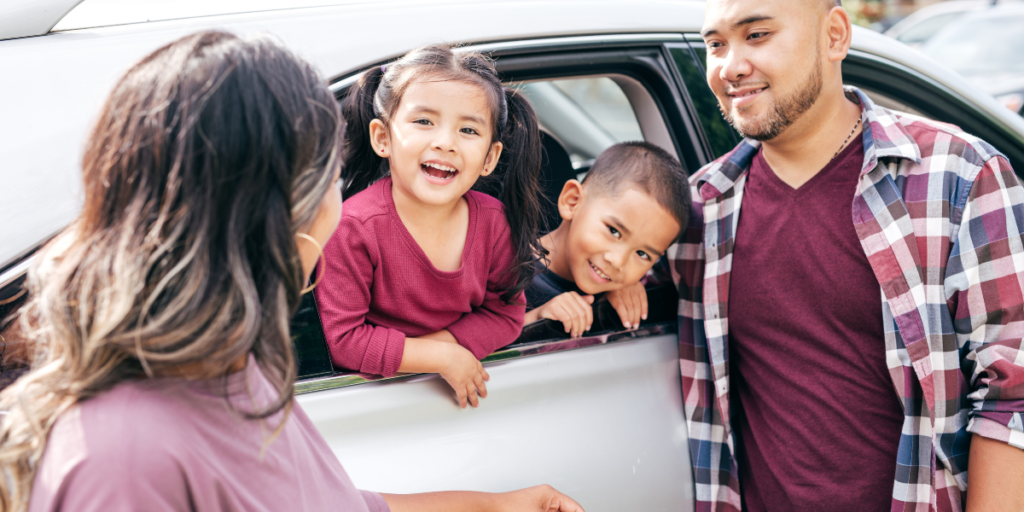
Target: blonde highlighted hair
[[208, 157]]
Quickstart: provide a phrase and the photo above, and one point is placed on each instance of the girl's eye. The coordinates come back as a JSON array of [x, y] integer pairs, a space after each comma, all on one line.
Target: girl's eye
[[424, 122], [644, 255], [614, 232], [469, 131]]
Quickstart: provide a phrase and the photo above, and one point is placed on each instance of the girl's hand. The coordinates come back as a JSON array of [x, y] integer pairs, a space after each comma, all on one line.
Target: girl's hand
[[542, 498], [630, 303], [572, 309], [465, 375]]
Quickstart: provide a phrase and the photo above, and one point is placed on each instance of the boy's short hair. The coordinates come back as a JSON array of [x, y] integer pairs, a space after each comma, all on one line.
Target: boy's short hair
[[647, 167]]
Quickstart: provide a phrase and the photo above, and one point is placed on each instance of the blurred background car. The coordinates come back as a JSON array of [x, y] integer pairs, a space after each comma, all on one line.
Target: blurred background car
[[987, 47], [918, 28]]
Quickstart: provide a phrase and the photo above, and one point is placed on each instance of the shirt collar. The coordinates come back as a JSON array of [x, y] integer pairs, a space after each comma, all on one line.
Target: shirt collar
[[884, 136]]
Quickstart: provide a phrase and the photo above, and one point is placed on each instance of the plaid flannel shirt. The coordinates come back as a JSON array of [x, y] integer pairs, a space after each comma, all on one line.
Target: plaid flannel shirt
[[940, 215]]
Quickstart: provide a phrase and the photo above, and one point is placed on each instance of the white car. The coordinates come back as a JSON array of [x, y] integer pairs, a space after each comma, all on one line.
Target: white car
[[600, 418]]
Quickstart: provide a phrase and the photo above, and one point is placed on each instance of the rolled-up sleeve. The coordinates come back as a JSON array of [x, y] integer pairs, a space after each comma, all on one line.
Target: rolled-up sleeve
[[984, 288], [343, 300]]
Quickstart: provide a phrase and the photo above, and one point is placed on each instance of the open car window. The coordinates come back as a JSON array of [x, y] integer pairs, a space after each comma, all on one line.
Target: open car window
[[586, 101]]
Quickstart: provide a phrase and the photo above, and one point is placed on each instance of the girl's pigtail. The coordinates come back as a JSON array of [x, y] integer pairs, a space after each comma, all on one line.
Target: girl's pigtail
[[519, 168], [362, 165]]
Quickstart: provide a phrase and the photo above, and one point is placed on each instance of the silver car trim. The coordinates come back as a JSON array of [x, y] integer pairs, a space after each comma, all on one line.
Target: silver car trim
[[506, 354], [14, 273], [550, 42]]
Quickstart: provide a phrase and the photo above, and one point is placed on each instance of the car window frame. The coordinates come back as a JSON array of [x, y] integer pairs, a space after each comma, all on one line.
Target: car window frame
[[644, 61]]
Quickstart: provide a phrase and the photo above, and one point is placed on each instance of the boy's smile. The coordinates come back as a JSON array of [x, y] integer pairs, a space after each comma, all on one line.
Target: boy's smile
[[606, 242]]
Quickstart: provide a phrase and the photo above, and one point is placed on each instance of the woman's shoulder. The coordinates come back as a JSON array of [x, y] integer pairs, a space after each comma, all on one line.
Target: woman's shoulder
[[132, 416], [98, 447]]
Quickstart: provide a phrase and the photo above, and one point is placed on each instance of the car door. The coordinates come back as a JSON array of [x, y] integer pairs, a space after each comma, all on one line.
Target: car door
[[599, 417]]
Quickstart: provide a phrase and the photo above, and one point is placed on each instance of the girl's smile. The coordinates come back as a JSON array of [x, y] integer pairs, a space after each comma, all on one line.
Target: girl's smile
[[439, 172], [439, 142]]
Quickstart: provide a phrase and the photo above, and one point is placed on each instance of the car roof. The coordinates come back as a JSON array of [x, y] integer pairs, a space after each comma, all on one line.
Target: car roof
[[65, 76]]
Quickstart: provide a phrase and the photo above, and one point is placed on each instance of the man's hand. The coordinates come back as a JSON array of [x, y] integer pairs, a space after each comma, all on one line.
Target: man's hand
[[570, 308], [465, 375], [630, 303]]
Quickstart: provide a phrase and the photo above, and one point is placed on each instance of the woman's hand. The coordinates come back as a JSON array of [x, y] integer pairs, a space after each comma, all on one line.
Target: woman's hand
[[572, 309], [465, 375], [630, 302], [542, 498]]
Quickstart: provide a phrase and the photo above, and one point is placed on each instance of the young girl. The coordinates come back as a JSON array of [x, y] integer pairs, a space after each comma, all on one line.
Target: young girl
[[424, 274]]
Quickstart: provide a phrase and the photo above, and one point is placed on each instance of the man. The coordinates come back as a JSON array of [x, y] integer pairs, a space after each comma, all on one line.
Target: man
[[850, 289]]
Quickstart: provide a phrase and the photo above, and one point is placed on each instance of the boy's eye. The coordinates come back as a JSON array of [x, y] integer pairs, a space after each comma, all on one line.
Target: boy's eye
[[644, 255], [614, 232]]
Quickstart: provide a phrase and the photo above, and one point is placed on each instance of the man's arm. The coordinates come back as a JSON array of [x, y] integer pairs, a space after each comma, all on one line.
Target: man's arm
[[985, 290], [995, 476]]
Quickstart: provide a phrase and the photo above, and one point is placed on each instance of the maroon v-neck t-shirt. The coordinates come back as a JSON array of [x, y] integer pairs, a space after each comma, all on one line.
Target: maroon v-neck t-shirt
[[817, 418]]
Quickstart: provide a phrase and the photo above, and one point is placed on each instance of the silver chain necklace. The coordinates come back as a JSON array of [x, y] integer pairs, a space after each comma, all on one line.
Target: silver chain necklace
[[847, 138]]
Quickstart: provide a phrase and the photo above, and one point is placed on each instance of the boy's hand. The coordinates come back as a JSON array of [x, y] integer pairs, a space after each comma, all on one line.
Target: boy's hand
[[572, 310], [630, 303], [465, 375]]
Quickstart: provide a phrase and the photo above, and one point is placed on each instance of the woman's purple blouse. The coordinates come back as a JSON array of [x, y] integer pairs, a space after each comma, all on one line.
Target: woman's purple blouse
[[174, 445]]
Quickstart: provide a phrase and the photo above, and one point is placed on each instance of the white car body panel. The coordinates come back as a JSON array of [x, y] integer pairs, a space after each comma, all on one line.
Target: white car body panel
[[602, 424]]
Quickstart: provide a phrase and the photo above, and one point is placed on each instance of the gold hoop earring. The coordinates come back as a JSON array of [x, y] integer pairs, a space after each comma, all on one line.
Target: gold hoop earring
[[323, 267]]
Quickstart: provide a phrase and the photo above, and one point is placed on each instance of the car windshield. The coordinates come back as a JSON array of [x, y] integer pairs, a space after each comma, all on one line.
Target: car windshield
[[925, 29], [988, 45]]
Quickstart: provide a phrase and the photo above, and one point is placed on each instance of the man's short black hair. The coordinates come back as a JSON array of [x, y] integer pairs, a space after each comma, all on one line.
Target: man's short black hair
[[648, 168]]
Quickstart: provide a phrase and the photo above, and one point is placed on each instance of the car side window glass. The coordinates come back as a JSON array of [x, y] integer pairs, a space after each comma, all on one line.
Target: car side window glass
[[585, 114], [309, 341], [721, 137]]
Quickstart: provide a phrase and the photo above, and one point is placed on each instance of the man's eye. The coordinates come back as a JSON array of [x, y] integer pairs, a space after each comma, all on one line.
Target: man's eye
[[758, 35], [644, 255], [614, 232]]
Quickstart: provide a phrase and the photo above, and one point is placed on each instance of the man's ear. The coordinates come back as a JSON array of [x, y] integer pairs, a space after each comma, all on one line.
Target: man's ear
[[570, 199], [838, 32], [380, 138]]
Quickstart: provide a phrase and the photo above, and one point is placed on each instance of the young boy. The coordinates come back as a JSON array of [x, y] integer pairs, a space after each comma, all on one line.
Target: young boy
[[616, 224]]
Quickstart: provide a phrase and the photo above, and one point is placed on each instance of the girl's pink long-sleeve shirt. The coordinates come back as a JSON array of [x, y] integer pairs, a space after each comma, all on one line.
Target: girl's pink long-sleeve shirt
[[379, 286]]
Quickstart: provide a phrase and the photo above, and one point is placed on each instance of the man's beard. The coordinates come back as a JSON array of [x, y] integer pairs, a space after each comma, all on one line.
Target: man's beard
[[783, 112]]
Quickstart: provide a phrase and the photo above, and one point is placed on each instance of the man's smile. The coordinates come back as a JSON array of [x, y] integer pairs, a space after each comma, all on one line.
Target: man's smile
[[742, 97]]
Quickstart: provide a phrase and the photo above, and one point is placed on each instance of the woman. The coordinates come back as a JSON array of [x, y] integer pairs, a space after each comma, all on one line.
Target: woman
[[164, 373]]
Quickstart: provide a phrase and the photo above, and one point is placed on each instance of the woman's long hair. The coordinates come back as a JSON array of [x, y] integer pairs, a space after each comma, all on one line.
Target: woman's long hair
[[207, 158], [515, 181]]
